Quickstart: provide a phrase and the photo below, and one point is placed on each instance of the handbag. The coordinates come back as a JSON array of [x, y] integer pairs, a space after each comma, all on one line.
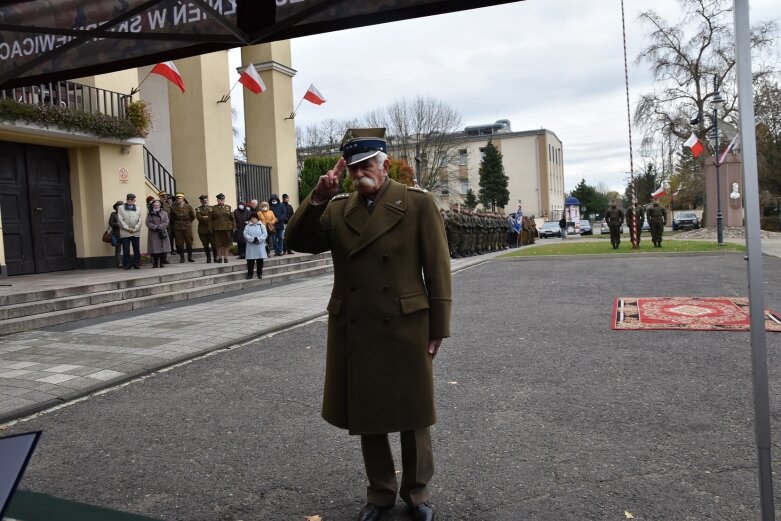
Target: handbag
[[107, 235], [270, 227], [163, 233]]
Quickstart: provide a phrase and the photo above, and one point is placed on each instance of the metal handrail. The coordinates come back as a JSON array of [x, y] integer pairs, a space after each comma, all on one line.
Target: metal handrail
[[71, 95], [157, 174]]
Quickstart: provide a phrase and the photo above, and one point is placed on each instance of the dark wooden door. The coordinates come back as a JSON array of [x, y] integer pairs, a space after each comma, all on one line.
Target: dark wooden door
[[15, 208], [51, 214], [36, 209]]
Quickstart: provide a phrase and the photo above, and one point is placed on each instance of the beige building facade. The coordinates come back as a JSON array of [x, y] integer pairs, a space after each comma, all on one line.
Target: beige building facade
[[57, 186], [533, 161]]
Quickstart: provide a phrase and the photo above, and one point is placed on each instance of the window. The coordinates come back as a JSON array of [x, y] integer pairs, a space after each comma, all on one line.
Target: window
[[443, 187], [464, 187], [462, 157]]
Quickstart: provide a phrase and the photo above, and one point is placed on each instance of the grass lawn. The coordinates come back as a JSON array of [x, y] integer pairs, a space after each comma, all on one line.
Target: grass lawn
[[576, 247]]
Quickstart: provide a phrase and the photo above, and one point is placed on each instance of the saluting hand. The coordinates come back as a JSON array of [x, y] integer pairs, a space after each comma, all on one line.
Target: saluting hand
[[328, 184]]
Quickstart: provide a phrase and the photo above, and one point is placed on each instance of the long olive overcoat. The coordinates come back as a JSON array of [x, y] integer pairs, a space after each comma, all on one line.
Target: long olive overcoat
[[391, 295]]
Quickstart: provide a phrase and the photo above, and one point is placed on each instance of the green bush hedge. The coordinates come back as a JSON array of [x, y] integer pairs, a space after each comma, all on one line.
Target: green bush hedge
[[136, 125]]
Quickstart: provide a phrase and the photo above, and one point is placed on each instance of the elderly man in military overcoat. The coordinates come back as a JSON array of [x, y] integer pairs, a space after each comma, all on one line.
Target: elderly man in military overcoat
[[388, 313]]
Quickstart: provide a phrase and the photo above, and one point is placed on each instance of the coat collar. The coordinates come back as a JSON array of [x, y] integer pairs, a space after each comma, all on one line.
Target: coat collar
[[389, 209]]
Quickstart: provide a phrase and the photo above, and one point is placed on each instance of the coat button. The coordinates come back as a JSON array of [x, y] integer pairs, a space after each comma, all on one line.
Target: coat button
[[352, 289], [353, 320], [385, 257], [385, 289], [386, 319]]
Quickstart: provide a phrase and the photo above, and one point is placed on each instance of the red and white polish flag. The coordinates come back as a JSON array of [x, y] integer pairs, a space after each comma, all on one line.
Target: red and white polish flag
[[169, 71], [251, 79], [313, 95], [694, 144], [658, 193], [727, 150]]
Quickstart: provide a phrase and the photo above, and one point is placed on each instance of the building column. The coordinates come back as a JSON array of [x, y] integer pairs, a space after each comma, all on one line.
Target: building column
[[202, 130], [271, 139]]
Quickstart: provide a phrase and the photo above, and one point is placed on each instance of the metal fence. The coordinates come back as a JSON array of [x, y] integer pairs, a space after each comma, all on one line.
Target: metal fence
[[70, 95], [252, 181]]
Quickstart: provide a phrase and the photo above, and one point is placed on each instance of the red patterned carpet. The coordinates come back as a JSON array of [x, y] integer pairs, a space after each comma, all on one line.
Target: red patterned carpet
[[690, 313]]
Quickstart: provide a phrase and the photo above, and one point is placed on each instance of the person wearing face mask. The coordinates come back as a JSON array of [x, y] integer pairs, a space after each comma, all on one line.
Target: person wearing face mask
[[157, 243], [241, 214], [387, 316], [280, 212], [269, 220]]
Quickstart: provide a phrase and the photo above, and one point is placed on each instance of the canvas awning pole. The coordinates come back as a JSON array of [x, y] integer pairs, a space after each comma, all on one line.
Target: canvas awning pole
[[754, 247]]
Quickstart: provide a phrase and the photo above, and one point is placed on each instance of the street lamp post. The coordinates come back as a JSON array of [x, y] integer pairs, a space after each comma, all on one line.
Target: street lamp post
[[717, 101]]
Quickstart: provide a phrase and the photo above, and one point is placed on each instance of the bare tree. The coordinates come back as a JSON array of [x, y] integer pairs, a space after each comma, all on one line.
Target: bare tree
[[685, 58], [421, 131]]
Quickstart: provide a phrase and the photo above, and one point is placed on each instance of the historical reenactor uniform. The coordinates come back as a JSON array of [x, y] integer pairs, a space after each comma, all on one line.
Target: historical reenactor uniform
[[657, 217], [183, 216], [614, 217], [390, 300], [221, 227], [203, 214]]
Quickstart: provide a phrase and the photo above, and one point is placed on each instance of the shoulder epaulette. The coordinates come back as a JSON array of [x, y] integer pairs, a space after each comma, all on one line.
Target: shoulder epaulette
[[417, 189], [340, 196]]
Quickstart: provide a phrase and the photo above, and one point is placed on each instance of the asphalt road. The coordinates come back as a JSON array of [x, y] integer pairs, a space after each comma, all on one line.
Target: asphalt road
[[544, 412]]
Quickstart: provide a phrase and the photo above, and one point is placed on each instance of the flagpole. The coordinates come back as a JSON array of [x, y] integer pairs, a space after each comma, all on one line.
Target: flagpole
[[136, 89], [228, 95], [293, 114], [633, 231]]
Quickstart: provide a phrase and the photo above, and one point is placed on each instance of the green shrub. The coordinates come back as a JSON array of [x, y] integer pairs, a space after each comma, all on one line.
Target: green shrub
[[101, 125]]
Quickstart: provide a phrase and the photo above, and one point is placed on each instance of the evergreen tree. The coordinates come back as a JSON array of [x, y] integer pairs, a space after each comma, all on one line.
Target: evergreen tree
[[470, 199], [313, 168], [647, 182], [493, 181], [593, 200]]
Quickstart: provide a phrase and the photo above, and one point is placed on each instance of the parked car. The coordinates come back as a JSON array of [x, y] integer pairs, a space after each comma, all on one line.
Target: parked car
[[606, 229], [549, 229], [585, 227], [686, 220]]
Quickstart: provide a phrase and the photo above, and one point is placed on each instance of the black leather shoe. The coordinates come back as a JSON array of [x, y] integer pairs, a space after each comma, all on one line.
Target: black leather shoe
[[372, 512], [422, 512]]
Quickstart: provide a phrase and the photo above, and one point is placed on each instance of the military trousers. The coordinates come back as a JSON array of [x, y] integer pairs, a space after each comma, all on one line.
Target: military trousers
[[206, 240], [184, 238], [417, 467]]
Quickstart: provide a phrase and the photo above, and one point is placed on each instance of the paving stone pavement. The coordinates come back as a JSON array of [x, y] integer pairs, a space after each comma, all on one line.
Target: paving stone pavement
[[43, 368], [47, 367]]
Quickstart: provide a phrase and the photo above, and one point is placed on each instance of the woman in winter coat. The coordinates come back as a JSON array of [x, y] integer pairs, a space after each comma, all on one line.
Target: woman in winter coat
[[255, 235], [157, 242], [269, 220], [113, 222], [241, 214]]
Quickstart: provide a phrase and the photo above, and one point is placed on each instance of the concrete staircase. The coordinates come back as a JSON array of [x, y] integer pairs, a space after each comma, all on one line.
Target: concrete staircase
[[35, 309]]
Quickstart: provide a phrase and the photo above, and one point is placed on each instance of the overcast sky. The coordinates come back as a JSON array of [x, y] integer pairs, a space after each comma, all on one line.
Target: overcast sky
[[556, 64]]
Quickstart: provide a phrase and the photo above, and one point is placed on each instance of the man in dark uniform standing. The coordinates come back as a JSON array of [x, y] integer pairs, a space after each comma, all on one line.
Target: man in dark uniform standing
[[183, 216], [388, 314], [657, 217], [202, 214], [615, 218]]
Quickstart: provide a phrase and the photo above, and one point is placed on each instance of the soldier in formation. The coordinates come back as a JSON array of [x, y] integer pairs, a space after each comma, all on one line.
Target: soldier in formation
[[183, 216], [635, 218], [657, 218], [615, 218], [471, 232]]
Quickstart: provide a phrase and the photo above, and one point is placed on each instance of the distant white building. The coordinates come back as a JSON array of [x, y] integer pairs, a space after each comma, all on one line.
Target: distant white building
[[533, 161]]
